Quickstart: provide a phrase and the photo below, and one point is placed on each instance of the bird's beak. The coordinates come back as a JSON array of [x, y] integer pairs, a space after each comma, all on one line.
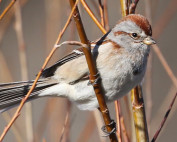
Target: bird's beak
[[149, 41]]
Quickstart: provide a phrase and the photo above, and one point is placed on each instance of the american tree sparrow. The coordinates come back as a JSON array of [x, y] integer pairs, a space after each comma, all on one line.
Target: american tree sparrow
[[121, 58]]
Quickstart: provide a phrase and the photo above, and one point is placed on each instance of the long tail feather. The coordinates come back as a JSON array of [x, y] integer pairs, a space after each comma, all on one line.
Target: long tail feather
[[12, 93]]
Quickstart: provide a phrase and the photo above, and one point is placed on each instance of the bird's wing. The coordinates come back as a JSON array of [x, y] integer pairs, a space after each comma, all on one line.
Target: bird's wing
[[48, 72]]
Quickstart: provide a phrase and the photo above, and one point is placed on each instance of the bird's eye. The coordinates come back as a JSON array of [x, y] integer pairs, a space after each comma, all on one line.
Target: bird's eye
[[134, 35]]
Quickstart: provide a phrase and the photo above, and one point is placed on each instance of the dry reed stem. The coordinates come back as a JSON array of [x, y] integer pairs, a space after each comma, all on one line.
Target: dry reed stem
[[7, 19], [165, 118], [64, 126], [139, 115], [124, 8], [7, 9], [161, 109], [124, 131], [92, 16], [93, 72], [132, 6], [15, 129], [17, 113], [118, 115], [95, 7], [101, 8], [23, 65], [68, 124], [106, 15]]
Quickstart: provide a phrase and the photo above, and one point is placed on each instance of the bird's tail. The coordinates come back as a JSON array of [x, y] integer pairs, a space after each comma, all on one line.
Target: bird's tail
[[11, 94]]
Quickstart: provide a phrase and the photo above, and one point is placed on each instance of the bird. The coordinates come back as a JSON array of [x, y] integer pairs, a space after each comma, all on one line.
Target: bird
[[121, 57]]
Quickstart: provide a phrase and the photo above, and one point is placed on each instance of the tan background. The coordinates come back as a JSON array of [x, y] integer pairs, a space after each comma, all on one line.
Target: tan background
[[42, 20]]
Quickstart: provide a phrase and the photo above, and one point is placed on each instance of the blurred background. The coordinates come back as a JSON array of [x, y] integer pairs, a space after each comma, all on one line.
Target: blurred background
[[27, 34]]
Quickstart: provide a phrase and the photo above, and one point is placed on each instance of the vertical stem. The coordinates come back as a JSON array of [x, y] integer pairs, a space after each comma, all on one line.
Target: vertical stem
[[139, 115], [117, 106], [93, 72], [24, 68]]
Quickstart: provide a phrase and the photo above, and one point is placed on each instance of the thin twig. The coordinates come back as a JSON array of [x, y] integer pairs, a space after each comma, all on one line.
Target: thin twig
[[164, 120], [7, 9], [117, 107], [106, 15], [17, 113], [162, 107], [101, 8], [124, 131], [64, 126], [132, 6], [5, 22], [92, 16]]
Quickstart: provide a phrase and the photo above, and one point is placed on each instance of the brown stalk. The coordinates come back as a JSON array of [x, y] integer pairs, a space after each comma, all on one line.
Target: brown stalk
[[136, 93], [164, 120], [139, 115], [132, 6], [7, 9], [106, 15], [17, 113], [117, 107], [66, 131], [124, 131], [5, 22], [65, 125], [23, 64], [92, 16], [162, 107], [101, 8], [93, 72]]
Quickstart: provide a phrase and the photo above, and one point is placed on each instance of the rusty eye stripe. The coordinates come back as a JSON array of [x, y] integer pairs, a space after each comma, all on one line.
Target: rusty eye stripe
[[125, 33]]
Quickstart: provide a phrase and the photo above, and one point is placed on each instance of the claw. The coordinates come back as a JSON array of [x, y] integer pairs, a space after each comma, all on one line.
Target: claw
[[106, 132], [96, 80]]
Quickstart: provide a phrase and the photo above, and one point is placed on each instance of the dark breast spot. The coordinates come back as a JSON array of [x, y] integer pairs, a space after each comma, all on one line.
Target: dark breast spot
[[137, 70]]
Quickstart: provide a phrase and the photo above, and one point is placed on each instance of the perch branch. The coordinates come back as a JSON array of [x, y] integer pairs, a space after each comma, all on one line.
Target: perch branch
[[93, 72]]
